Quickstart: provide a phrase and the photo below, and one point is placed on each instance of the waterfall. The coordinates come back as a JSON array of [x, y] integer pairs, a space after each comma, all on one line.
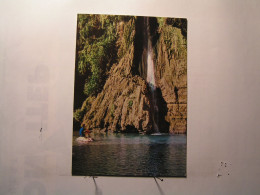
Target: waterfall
[[151, 77]]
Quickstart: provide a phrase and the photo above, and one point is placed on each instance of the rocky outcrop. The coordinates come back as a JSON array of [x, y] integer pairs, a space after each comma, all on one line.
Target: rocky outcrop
[[123, 104], [171, 76]]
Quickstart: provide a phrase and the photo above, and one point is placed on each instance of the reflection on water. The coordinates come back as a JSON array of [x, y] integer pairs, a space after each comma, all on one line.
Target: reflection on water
[[131, 155]]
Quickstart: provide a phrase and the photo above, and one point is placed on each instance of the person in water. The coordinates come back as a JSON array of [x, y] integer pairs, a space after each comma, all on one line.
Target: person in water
[[81, 131]]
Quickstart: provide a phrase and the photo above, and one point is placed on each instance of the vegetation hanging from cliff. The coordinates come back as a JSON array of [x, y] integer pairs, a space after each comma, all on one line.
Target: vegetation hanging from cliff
[[102, 40], [180, 23], [99, 46], [96, 49]]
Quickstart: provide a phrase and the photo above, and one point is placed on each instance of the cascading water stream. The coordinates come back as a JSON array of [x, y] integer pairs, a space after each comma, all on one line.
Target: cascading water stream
[[151, 77]]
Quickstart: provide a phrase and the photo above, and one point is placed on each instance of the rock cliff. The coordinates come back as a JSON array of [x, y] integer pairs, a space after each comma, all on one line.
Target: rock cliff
[[171, 74], [124, 104]]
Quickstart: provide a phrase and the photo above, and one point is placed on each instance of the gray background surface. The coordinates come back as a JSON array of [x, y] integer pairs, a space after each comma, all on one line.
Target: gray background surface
[[37, 60]]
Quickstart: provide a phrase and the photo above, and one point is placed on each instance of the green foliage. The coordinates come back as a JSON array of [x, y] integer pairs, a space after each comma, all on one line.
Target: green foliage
[[161, 21], [112, 110], [96, 49], [128, 34], [78, 115], [100, 38], [87, 104], [174, 40], [128, 37], [130, 103], [176, 46]]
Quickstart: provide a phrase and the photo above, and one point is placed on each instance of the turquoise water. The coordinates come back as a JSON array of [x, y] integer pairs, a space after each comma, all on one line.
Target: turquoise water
[[131, 155]]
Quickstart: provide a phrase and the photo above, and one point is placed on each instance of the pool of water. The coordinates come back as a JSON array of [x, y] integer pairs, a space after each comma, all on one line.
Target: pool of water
[[131, 155]]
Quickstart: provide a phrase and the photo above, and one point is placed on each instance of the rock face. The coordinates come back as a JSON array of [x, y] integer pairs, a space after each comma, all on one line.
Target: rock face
[[171, 76], [123, 103]]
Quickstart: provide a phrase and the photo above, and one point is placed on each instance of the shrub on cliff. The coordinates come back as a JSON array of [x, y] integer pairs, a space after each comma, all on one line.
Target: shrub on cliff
[[79, 113], [96, 49]]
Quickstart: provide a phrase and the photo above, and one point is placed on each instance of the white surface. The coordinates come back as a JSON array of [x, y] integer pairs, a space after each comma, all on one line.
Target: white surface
[[37, 54]]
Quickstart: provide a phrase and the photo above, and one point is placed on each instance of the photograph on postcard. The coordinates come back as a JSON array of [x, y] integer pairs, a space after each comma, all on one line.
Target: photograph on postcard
[[130, 96]]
